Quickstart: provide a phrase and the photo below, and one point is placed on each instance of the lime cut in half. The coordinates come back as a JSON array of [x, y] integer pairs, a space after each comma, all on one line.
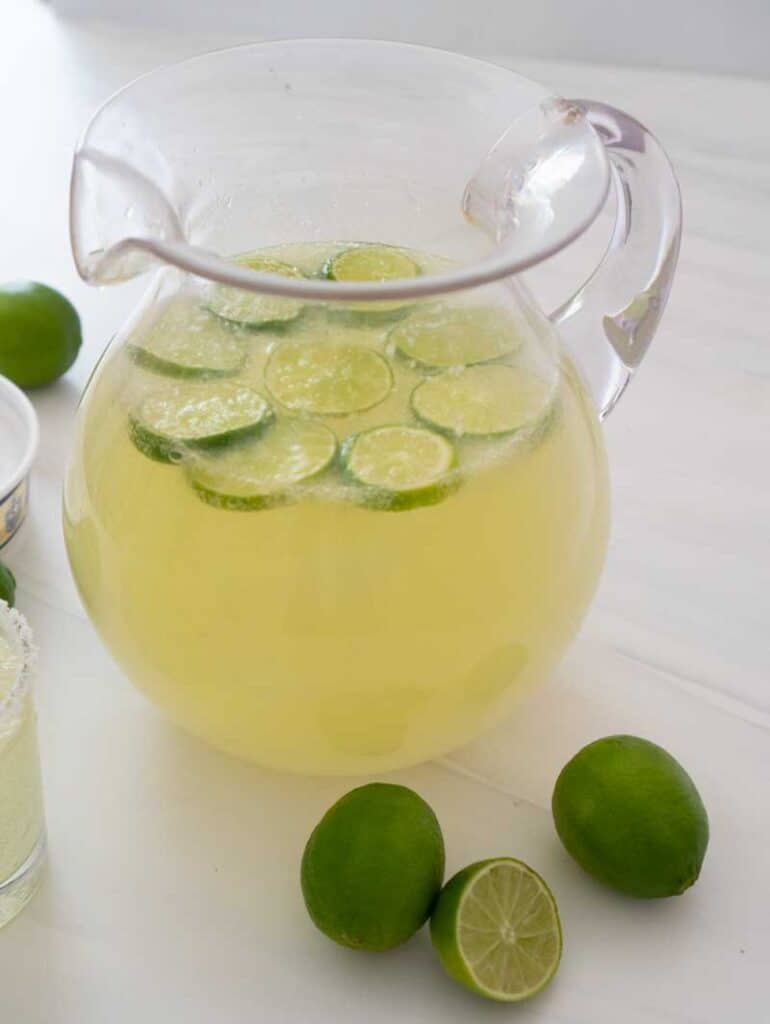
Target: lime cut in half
[[483, 401], [252, 309], [327, 378], [400, 467], [262, 473], [187, 342], [496, 930], [438, 338], [371, 263], [206, 415]]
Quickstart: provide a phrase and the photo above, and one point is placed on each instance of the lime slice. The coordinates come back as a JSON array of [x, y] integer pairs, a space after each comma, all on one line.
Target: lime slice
[[483, 401], [371, 263], [327, 378], [367, 263], [187, 342], [400, 467], [252, 309], [197, 416], [439, 338], [262, 473], [496, 930]]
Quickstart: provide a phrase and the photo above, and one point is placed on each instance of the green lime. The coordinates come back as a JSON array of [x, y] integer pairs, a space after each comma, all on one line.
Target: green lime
[[327, 378], [483, 401], [400, 467], [631, 816], [438, 338], [496, 930], [7, 585], [206, 415], [39, 334], [187, 342], [253, 309], [262, 473], [373, 867], [371, 263]]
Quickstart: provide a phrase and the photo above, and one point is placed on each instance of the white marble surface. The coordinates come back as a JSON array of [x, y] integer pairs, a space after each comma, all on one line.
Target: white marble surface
[[172, 892]]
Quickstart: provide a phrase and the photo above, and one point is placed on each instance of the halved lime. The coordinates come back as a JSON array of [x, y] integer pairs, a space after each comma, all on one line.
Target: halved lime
[[438, 338], [187, 342], [196, 416], [261, 474], [400, 467], [327, 377], [483, 401], [252, 309], [365, 263], [496, 930]]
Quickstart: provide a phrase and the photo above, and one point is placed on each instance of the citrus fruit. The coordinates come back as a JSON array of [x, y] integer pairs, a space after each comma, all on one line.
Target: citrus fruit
[[373, 866], [39, 334], [631, 816], [7, 585], [496, 930]]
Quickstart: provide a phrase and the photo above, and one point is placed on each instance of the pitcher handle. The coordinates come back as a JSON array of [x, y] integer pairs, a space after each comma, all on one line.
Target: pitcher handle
[[627, 292]]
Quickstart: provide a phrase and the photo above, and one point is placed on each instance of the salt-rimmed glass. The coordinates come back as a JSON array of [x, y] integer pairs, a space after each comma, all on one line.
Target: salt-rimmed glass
[[22, 829]]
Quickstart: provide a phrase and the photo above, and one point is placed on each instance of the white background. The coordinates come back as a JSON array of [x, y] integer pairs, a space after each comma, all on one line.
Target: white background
[[173, 887], [720, 35]]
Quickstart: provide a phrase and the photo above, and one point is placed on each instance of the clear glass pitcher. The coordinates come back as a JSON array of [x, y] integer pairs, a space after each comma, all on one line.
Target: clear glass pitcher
[[338, 491]]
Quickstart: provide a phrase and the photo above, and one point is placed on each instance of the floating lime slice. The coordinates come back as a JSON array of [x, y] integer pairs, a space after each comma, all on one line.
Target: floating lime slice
[[252, 309], [483, 401], [187, 342], [496, 930], [438, 338], [400, 467], [196, 416], [262, 473], [327, 378], [371, 263]]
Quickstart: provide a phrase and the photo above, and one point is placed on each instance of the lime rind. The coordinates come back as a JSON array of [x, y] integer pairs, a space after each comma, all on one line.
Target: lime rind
[[254, 310], [486, 401], [400, 467], [168, 422], [438, 338], [497, 930], [327, 378], [201, 348], [264, 473]]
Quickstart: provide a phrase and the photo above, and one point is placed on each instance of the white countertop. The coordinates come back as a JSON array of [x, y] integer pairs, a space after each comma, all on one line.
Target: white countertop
[[173, 886]]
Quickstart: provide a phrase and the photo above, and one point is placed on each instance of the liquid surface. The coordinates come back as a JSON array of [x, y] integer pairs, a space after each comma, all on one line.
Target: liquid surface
[[336, 613]]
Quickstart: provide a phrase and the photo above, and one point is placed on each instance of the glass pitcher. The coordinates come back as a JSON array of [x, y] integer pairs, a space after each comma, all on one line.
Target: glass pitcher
[[338, 493]]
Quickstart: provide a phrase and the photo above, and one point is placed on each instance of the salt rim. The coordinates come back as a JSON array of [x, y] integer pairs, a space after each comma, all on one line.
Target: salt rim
[[17, 631]]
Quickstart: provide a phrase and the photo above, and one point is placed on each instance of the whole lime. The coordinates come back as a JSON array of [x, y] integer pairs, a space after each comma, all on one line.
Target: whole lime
[[7, 585], [373, 866], [39, 334], [631, 816]]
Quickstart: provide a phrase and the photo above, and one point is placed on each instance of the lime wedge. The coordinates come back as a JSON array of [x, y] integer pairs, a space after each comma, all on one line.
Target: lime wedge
[[262, 473], [400, 467], [327, 378], [364, 263], [198, 416], [187, 342], [371, 263], [438, 338], [251, 309], [483, 401], [496, 930]]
